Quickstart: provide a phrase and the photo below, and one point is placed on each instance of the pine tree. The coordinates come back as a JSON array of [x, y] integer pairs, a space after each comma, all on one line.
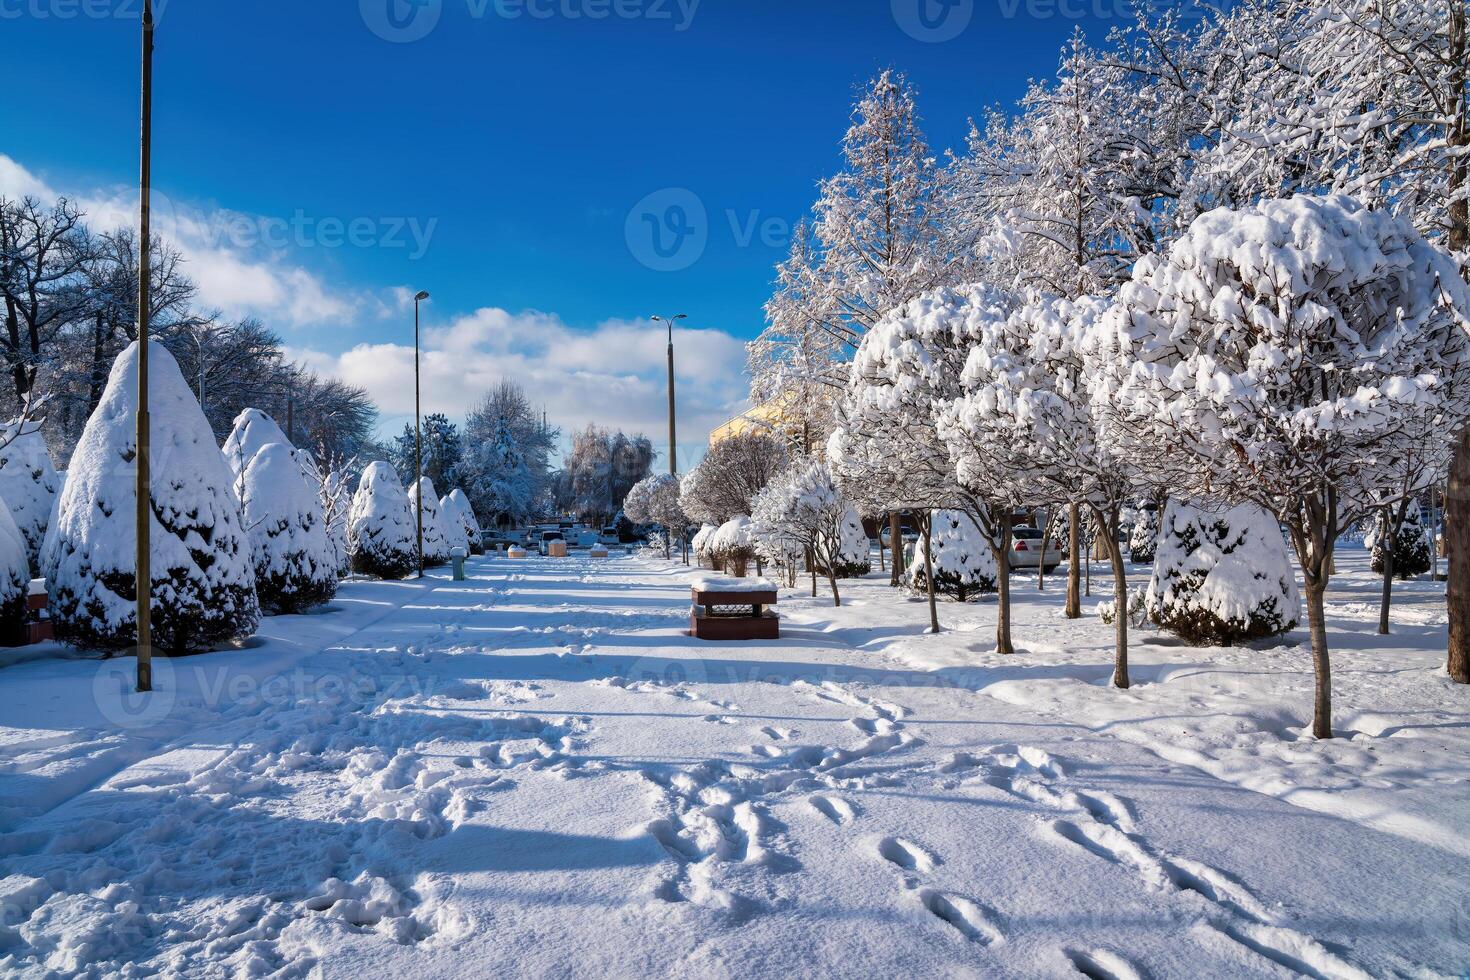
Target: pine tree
[[15, 581], [381, 534], [1411, 553], [295, 561], [436, 537], [1222, 577], [1143, 540], [963, 564], [851, 551], [28, 486], [203, 590]]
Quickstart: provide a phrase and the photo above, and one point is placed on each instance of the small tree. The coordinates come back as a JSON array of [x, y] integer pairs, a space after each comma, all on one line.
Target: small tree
[[1278, 355], [456, 508], [962, 561], [203, 589], [700, 545], [381, 534], [15, 581], [1399, 545], [733, 545], [436, 536], [295, 561], [1222, 578], [28, 484], [734, 470], [851, 552], [655, 500], [803, 507], [1143, 540]]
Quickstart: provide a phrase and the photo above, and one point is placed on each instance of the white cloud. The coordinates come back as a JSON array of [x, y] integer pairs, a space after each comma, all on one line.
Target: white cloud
[[615, 375]]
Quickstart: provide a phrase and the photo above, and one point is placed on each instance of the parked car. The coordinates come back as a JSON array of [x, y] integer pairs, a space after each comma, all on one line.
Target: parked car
[[1029, 548], [497, 540], [609, 536], [586, 538], [543, 544]]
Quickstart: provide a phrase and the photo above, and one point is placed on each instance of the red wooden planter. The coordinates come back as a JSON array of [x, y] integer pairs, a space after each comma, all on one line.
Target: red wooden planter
[[734, 615]]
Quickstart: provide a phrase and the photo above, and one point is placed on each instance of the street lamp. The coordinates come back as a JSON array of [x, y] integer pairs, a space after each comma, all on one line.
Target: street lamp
[[673, 451], [418, 448], [143, 490]]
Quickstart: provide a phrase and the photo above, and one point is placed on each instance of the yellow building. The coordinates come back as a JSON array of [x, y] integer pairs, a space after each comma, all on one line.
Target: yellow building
[[772, 416]]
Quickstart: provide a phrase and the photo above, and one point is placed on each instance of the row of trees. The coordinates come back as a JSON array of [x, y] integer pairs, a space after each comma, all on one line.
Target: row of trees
[[70, 298], [1106, 291]]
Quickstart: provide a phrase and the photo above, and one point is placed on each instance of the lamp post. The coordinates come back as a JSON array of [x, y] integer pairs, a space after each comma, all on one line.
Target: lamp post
[[673, 448], [143, 491], [418, 448]]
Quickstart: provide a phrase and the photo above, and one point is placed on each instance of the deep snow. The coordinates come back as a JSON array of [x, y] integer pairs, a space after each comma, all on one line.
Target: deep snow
[[536, 773]]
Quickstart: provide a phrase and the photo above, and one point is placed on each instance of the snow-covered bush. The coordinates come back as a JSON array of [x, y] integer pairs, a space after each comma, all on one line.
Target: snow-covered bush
[[802, 508], [1411, 554], [1284, 354], [381, 534], [252, 432], [436, 539], [15, 580], [1144, 538], [295, 560], [1107, 610], [851, 551], [733, 545], [1222, 578], [203, 588], [457, 508], [964, 566], [700, 544], [28, 485]]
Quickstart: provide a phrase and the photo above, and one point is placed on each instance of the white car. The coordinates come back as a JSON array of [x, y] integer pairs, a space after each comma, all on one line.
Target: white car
[[1029, 548]]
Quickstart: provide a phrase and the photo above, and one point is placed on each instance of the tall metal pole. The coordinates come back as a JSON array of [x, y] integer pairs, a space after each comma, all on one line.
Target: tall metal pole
[[143, 489], [418, 448], [673, 438]]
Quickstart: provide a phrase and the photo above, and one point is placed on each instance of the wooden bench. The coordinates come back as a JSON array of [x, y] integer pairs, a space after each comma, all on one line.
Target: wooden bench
[[733, 609]]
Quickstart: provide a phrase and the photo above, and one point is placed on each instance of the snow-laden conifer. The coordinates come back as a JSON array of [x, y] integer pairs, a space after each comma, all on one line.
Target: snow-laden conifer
[[456, 508], [436, 537], [28, 485], [381, 533], [295, 559], [963, 564]]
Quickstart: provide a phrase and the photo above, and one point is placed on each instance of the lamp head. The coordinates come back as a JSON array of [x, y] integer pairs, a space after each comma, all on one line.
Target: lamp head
[[421, 296]]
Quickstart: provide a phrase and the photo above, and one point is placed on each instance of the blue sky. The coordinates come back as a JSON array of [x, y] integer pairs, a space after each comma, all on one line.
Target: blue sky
[[316, 171]]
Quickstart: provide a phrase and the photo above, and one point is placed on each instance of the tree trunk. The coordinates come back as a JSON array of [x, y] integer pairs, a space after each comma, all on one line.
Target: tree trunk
[[1457, 549], [1074, 562], [928, 520], [1003, 562], [1120, 598], [895, 542], [1393, 522], [832, 581], [1321, 665]]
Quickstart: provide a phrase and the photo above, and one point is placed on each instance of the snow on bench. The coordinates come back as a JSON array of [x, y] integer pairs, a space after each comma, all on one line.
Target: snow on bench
[[723, 583]]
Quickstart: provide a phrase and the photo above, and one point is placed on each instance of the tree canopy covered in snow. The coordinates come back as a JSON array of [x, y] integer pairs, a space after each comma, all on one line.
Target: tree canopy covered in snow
[[725, 482], [964, 566], [803, 507], [655, 500]]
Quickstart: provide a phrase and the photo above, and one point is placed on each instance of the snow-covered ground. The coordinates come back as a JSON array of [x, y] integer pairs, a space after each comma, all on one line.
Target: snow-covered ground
[[536, 773]]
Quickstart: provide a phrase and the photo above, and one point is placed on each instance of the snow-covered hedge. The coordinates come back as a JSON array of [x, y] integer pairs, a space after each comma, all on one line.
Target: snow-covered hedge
[[381, 536], [1411, 554], [457, 506], [700, 545], [1220, 578], [15, 580], [203, 588], [436, 537], [853, 554], [733, 545], [28, 485], [964, 565], [295, 560]]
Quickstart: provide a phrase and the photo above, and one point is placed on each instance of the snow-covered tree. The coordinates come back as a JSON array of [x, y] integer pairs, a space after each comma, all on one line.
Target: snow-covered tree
[[904, 377], [253, 431], [1276, 355], [803, 506], [1222, 576], [381, 531], [964, 566], [295, 560], [507, 463], [726, 481], [851, 552], [203, 588], [733, 545], [15, 581], [1143, 539], [328, 475], [655, 500], [28, 484], [436, 535], [1400, 547], [456, 510], [700, 544], [1025, 422]]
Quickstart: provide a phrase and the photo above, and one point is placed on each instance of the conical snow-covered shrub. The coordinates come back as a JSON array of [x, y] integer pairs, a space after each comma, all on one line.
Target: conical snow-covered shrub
[[964, 565], [1220, 578], [15, 581], [28, 485], [1143, 542], [458, 513], [381, 539], [295, 560], [854, 554], [1411, 554], [700, 544], [253, 431], [436, 539], [203, 588]]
